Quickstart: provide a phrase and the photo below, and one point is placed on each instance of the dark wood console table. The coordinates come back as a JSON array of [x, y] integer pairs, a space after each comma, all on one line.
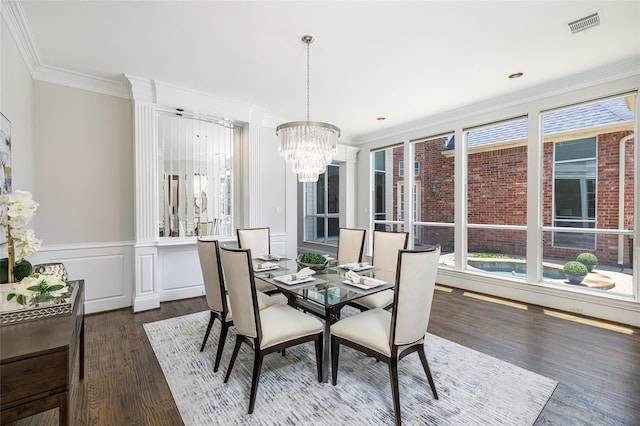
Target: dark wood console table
[[37, 363]]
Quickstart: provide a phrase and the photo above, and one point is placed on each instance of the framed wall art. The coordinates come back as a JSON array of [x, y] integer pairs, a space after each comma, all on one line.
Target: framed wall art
[[5, 155]]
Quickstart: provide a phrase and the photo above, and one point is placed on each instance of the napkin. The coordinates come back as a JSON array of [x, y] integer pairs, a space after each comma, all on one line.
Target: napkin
[[356, 266], [302, 275], [269, 257], [366, 281], [265, 266]]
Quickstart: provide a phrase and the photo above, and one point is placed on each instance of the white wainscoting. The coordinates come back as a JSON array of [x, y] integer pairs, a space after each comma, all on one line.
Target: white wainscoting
[[107, 270]]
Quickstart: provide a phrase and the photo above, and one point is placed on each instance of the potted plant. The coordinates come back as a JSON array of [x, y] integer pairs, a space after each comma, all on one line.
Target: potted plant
[[575, 271], [588, 259], [314, 261]]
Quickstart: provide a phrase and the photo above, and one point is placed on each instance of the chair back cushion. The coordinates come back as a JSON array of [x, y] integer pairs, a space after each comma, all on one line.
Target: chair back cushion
[[256, 239], [415, 283], [385, 249], [350, 245], [242, 291], [209, 255]]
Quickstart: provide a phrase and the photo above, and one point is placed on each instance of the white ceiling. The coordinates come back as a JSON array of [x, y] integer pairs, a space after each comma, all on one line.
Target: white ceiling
[[399, 60]]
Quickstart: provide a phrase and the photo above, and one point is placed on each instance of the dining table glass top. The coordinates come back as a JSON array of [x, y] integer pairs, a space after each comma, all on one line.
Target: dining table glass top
[[330, 287]]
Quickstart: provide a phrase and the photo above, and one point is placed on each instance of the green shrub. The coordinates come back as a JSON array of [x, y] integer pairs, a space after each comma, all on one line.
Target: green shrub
[[576, 268], [313, 258], [587, 259]]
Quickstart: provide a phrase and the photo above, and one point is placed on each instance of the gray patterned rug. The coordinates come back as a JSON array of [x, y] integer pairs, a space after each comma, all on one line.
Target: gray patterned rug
[[474, 388]]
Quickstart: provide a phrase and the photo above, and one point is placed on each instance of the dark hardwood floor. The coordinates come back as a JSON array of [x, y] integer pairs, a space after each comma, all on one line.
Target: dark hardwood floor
[[598, 369]]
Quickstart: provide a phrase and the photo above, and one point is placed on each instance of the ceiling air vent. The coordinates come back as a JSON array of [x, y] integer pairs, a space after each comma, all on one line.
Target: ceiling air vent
[[585, 23]]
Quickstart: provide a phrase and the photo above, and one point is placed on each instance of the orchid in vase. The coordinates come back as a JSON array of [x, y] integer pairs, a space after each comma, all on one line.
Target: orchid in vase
[[17, 210], [37, 288]]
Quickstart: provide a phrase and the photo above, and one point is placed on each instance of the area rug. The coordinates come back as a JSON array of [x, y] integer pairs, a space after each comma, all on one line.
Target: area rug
[[474, 388]]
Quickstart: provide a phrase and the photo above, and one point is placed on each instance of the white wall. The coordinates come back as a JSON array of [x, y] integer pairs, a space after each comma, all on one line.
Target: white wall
[[17, 104], [84, 165]]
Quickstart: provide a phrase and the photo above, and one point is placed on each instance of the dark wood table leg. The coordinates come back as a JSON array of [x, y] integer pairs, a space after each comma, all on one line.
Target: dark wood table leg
[[81, 354]]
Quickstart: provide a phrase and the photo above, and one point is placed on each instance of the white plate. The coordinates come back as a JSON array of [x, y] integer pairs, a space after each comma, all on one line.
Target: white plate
[[271, 257], [366, 286], [257, 268], [354, 267], [286, 279]]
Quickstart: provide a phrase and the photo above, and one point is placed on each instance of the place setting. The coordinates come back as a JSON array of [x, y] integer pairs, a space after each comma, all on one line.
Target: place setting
[[356, 266], [360, 281], [304, 275]]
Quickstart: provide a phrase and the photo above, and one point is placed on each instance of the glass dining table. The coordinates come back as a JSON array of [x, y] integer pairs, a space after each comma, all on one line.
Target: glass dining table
[[325, 293]]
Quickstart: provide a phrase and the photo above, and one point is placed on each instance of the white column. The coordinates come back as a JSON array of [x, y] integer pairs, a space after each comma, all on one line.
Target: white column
[[146, 294]]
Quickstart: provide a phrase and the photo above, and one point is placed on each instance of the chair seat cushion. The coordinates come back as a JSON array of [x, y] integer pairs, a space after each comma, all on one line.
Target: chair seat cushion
[[264, 286], [381, 299], [264, 301], [369, 328], [281, 323]]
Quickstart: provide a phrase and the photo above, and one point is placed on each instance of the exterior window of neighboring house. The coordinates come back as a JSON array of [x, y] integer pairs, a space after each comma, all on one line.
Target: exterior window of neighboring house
[[416, 169], [416, 202], [575, 192], [322, 207], [497, 194], [385, 198]]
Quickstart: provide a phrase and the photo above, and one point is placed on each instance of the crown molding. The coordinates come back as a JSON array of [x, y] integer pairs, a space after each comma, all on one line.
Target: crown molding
[[16, 20], [82, 81]]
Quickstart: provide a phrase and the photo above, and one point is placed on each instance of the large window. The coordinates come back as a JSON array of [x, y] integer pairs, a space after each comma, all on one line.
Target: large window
[[433, 194], [387, 210], [588, 189], [497, 197], [322, 207], [195, 167]]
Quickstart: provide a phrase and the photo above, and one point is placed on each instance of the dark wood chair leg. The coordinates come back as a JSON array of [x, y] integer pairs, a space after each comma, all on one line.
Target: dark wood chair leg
[[221, 341], [257, 366], [206, 334], [393, 374], [236, 349], [319, 340], [427, 371], [335, 351]]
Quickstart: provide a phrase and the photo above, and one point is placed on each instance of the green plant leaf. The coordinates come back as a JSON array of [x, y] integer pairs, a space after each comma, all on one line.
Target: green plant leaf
[[55, 287], [10, 296]]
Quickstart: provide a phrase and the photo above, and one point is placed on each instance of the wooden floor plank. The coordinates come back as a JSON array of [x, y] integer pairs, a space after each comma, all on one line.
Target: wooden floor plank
[[598, 369]]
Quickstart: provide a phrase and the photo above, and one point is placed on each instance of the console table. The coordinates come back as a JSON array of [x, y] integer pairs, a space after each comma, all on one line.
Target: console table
[[37, 363]]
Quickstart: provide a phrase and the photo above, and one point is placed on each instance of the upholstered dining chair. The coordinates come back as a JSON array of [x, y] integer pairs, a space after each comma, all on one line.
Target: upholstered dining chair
[[269, 330], [390, 336], [350, 245], [385, 256], [259, 241], [56, 268], [217, 299]]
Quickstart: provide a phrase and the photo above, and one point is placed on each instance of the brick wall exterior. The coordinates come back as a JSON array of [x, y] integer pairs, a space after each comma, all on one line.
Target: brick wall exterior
[[497, 188]]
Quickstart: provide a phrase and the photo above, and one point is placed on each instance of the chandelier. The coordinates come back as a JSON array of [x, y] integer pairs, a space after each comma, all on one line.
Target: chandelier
[[309, 146]]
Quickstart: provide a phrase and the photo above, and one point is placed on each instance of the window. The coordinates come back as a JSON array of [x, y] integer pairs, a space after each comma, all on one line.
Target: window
[[433, 194], [497, 197], [195, 165], [385, 210], [416, 169], [415, 200], [322, 207], [588, 188], [575, 192]]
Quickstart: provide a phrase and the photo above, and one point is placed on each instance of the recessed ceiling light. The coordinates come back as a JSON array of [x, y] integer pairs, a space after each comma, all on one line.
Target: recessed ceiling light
[[516, 75], [381, 118]]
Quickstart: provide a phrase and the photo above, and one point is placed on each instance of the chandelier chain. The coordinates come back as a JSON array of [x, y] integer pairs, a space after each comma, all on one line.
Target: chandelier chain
[[308, 42]]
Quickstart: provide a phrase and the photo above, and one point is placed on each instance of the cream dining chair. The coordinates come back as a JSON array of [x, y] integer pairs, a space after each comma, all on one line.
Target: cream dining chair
[[217, 299], [390, 336], [350, 245], [259, 241], [385, 256], [269, 330]]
